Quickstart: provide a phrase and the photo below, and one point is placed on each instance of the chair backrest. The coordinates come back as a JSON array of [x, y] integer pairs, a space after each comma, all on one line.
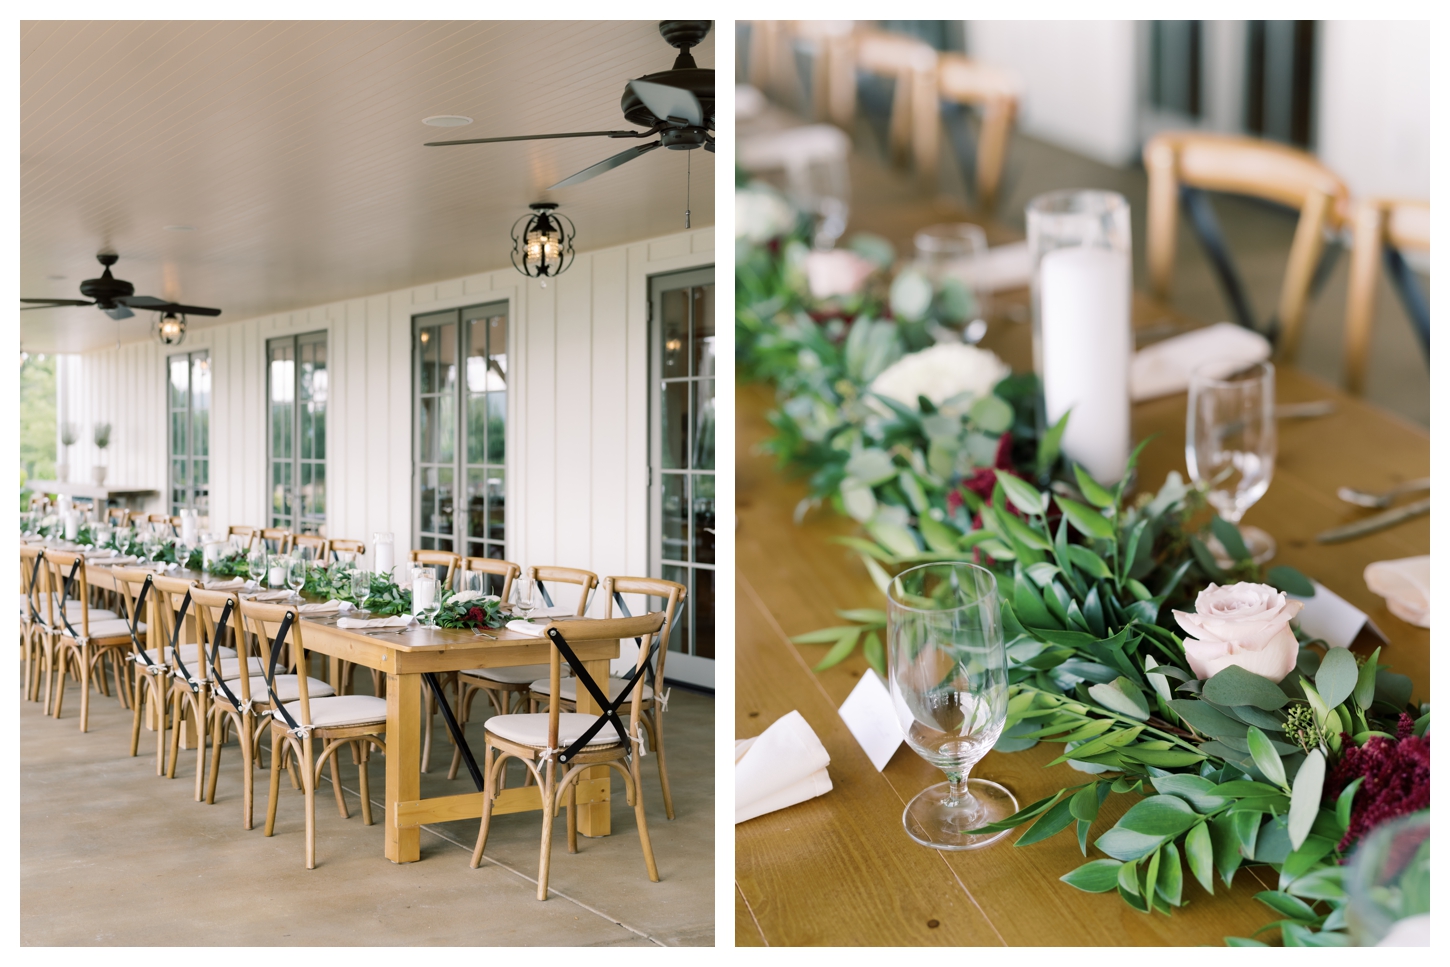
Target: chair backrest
[[137, 517], [819, 51], [264, 621], [60, 565], [165, 520], [247, 535], [129, 582], [587, 581], [507, 571], [344, 546], [208, 606], [1243, 166], [646, 627], [34, 581], [170, 594], [279, 536], [912, 64], [320, 545], [117, 516], [673, 594], [1383, 228], [447, 560], [961, 80]]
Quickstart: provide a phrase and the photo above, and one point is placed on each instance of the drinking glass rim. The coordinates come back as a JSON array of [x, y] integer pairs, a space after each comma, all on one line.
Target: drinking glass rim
[[890, 596], [1198, 377]]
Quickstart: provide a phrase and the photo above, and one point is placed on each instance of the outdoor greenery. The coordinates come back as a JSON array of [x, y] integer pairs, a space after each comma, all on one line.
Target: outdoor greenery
[[37, 420]]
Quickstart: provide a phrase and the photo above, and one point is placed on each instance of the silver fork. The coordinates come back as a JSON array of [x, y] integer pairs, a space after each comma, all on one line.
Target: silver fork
[[1362, 499]]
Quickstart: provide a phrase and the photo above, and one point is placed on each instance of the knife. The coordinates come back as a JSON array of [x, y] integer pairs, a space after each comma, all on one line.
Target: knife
[[1377, 522]]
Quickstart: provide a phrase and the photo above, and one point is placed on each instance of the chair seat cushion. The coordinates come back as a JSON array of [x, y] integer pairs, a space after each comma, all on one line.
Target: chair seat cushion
[[223, 651], [104, 628], [286, 689], [73, 608], [148, 656], [568, 689], [513, 675], [533, 729], [230, 668], [340, 710]]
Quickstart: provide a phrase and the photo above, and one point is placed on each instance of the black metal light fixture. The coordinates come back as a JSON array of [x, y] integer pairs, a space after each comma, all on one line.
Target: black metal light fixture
[[543, 243], [171, 329]]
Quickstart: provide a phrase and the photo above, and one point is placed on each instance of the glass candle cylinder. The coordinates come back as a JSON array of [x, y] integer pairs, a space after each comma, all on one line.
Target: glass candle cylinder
[[277, 572], [1082, 280], [383, 552]]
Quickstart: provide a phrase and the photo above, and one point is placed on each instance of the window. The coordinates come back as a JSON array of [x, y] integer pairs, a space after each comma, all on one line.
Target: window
[[297, 431], [188, 401], [448, 470], [682, 450], [1176, 66], [1280, 96]]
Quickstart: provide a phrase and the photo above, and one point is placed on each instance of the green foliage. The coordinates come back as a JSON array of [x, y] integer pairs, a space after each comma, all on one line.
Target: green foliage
[[37, 417]]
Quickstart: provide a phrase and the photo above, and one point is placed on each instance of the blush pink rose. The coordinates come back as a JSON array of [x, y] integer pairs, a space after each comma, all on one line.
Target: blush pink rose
[[838, 272], [1241, 624]]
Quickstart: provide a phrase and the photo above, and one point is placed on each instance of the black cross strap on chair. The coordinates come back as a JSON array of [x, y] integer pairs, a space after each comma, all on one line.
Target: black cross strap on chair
[[572, 741]]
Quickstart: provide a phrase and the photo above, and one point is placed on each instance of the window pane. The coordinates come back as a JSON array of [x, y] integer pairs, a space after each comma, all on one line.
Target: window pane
[[178, 432], [675, 425], [674, 525], [447, 418], [495, 507], [703, 457], [445, 501], [427, 500], [178, 382], [702, 624], [497, 414], [679, 631], [447, 357], [477, 423], [675, 331], [704, 510], [477, 503], [318, 498], [703, 334], [428, 360]]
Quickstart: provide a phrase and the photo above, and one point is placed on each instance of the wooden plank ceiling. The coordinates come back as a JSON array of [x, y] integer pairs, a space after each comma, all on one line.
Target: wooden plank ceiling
[[293, 152]]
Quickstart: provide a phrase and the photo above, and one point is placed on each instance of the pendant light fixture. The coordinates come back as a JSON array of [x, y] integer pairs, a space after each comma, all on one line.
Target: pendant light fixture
[[543, 243], [171, 329]]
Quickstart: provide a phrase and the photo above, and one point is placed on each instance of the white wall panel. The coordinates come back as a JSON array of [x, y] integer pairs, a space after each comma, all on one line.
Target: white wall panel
[[579, 403]]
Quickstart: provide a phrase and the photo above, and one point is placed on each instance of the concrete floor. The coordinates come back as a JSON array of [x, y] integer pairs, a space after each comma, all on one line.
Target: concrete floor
[[110, 854]]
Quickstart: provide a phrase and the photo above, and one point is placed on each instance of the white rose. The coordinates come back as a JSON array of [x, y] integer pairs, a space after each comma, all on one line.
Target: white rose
[[463, 596], [940, 373], [761, 214], [1241, 624], [839, 272]]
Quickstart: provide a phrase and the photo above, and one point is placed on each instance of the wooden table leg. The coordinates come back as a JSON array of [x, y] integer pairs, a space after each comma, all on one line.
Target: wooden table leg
[[592, 792], [400, 844]]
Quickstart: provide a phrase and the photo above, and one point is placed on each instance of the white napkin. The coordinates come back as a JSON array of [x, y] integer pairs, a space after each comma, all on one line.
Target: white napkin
[[324, 607], [1162, 368], [272, 596], [1405, 586], [400, 621], [1409, 932], [112, 561], [784, 765], [527, 627], [228, 584], [1000, 267]]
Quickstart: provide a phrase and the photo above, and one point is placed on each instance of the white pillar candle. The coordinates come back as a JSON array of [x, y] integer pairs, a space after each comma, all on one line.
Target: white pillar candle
[[188, 528], [72, 525], [276, 576], [383, 554], [1086, 295]]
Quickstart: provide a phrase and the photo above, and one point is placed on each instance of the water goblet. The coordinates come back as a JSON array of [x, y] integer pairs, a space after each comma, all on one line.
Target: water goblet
[[523, 599], [296, 575], [362, 585], [1232, 441], [257, 566], [426, 594], [948, 676]]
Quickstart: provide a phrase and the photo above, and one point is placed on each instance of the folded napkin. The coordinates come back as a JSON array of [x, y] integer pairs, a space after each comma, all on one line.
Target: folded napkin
[[784, 765], [1405, 586], [324, 607], [1000, 267], [401, 621], [272, 596], [113, 561], [527, 627], [228, 584], [1162, 368]]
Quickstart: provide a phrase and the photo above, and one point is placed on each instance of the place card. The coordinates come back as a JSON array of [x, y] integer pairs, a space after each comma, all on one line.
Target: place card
[[870, 713], [1328, 616]]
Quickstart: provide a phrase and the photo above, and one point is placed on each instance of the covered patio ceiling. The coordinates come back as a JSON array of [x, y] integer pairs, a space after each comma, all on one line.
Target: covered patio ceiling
[[261, 167]]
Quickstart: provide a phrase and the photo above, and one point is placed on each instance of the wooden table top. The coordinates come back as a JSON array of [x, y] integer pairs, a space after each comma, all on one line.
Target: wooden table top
[[839, 869]]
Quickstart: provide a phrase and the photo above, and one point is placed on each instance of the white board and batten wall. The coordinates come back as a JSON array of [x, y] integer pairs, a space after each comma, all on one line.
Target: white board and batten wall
[[577, 474]]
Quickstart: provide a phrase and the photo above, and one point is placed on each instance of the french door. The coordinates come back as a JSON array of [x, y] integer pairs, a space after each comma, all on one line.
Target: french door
[[297, 432], [682, 461]]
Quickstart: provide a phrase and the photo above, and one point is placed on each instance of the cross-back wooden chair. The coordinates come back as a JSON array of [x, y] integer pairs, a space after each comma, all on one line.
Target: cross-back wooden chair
[[151, 676], [337, 721], [1383, 228], [965, 83], [820, 55], [654, 699], [447, 561], [189, 693], [344, 546], [78, 638], [168, 524], [244, 535], [507, 573], [910, 118], [277, 540], [321, 546], [546, 741], [116, 516], [38, 616], [1183, 166], [502, 684], [137, 517]]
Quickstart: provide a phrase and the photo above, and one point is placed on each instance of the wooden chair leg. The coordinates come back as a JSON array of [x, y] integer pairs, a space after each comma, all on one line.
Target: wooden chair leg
[[639, 821], [547, 841], [361, 749], [336, 774], [85, 670], [246, 738], [136, 706], [571, 813], [656, 726], [177, 712], [488, 787], [274, 786], [309, 794], [199, 712], [216, 756]]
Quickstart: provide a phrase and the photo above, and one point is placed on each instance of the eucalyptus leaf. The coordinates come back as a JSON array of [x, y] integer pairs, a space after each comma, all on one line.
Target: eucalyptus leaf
[[1392, 690], [1265, 757], [1344, 805], [1290, 581], [1097, 876], [1200, 792], [991, 413], [871, 466], [1228, 535], [1235, 686], [1337, 676], [1207, 719], [1198, 848], [1158, 815], [1308, 790], [1364, 683]]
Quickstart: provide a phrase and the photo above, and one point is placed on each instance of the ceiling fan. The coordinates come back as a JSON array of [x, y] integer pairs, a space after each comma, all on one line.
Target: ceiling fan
[[116, 298], [677, 104]]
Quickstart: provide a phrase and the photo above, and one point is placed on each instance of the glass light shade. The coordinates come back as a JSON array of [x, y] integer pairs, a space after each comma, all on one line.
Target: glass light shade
[[543, 242], [171, 329]]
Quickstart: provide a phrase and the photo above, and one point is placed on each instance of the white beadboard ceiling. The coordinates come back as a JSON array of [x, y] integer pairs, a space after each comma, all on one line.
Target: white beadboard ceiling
[[294, 151]]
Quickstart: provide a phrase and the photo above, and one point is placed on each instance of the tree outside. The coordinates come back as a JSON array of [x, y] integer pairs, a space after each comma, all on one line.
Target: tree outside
[[37, 418]]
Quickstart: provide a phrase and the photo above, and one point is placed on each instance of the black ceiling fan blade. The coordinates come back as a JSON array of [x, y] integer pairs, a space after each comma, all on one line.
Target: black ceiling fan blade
[[544, 137], [142, 302], [153, 304], [668, 103], [54, 303], [710, 146], [608, 164], [118, 313]]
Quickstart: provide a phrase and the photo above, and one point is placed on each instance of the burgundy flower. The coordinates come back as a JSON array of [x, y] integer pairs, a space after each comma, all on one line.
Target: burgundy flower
[[476, 615], [1396, 779]]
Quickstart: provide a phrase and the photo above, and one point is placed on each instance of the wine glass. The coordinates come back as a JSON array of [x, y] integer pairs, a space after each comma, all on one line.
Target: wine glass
[[1233, 440], [296, 575], [425, 594], [523, 599], [948, 676], [150, 543], [257, 565], [362, 585]]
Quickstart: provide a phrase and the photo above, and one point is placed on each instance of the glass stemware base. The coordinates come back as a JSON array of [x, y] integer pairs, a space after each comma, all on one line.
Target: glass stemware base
[[1260, 544], [934, 819]]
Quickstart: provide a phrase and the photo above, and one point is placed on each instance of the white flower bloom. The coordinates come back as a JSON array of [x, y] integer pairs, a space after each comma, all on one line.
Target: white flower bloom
[[761, 214], [1241, 624], [939, 373], [463, 596]]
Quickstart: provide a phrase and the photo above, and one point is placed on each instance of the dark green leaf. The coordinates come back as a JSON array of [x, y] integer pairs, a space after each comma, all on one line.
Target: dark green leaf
[[1205, 560], [1092, 612], [1235, 686], [1227, 847], [1028, 604], [1095, 492], [1392, 690], [1325, 883], [1150, 881], [1022, 815], [1163, 758], [1132, 899], [1170, 874], [1051, 445], [1088, 561], [1290, 581], [1125, 844], [1084, 804], [1364, 682], [1198, 847], [1085, 519], [1268, 721], [1272, 845], [1344, 804], [1128, 877], [1337, 676], [1083, 827], [1303, 859], [1265, 756], [1097, 876], [1228, 535], [1201, 793], [1163, 816], [1288, 906], [1207, 719], [1057, 819], [1297, 935], [1022, 494], [1247, 789]]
